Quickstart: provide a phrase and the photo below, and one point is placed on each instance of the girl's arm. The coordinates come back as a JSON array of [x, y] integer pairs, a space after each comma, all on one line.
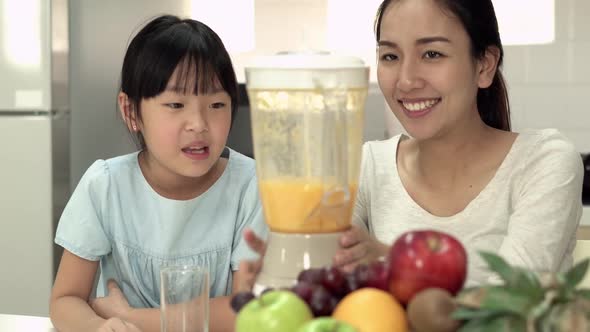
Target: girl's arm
[[69, 309]]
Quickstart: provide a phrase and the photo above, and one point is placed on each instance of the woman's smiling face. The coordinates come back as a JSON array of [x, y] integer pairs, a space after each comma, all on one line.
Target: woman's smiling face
[[426, 69]]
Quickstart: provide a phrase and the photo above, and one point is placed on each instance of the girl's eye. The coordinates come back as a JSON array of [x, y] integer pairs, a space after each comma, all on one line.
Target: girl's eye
[[217, 105], [389, 57], [175, 105], [432, 55]]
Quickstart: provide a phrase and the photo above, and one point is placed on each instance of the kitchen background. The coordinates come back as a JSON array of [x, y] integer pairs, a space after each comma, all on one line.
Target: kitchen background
[[549, 84]]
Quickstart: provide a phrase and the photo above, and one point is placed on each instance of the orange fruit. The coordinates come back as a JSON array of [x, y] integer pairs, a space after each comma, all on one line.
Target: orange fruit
[[372, 310]]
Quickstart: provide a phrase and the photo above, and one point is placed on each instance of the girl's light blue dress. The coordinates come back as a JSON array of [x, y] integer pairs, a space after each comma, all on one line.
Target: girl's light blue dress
[[116, 217]]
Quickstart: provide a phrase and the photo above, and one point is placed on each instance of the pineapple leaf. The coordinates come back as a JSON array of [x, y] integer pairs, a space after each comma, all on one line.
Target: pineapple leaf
[[518, 279], [540, 309], [505, 323], [549, 320], [585, 293], [545, 328], [471, 297], [499, 265], [477, 325], [462, 313], [527, 282], [474, 325], [510, 300], [510, 323], [576, 274]]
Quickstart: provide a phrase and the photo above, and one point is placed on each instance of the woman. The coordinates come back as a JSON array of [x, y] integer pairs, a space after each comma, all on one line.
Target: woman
[[462, 170]]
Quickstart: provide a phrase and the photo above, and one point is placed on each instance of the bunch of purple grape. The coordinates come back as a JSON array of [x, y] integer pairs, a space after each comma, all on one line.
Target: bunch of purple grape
[[240, 299], [323, 288]]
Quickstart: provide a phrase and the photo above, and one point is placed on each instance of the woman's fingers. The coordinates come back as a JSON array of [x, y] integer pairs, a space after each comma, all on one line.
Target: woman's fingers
[[254, 242], [352, 237], [347, 259], [247, 273]]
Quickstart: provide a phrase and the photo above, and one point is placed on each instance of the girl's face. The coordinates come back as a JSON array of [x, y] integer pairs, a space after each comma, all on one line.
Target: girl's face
[[185, 134], [425, 69]]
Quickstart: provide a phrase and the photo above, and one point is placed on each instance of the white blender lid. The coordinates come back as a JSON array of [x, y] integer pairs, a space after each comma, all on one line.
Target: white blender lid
[[307, 71], [319, 60]]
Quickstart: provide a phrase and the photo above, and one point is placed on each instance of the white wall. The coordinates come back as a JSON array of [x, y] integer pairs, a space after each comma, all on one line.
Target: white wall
[[284, 25], [549, 85]]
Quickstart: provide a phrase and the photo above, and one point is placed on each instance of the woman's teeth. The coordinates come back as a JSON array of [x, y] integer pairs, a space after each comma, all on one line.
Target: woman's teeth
[[420, 106]]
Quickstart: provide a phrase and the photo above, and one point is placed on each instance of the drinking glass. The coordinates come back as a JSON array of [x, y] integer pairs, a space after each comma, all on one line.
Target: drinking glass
[[184, 299]]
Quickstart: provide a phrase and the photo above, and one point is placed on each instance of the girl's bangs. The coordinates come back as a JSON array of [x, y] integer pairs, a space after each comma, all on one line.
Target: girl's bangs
[[195, 75]]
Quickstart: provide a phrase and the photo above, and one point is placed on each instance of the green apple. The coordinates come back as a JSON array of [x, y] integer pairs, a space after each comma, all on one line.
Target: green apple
[[273, 311], [326, 324]]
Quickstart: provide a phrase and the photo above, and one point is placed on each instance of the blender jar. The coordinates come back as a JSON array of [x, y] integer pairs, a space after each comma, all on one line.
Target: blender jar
[[307, 119]]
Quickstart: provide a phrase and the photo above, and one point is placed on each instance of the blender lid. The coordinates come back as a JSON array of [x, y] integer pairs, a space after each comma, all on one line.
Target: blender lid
[[306, 60], [288, 70]]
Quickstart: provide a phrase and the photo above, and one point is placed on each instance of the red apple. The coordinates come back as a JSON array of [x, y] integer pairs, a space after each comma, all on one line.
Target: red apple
[[424, 259]]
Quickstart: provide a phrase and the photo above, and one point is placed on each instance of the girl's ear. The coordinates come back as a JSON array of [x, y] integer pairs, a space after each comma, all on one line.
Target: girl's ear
[[487, 67], [127, 112]]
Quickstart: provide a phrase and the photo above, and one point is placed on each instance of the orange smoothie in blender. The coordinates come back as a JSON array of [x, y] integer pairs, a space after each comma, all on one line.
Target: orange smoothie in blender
[[294, 205]]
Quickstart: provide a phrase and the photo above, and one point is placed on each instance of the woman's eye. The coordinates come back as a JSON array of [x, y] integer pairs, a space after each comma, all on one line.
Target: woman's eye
[[175, 105], [432, 55], [389, 57], [218, 105]]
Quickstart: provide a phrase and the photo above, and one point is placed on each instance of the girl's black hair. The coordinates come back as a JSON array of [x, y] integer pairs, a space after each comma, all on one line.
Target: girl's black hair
[[168, 42], [479, 20]]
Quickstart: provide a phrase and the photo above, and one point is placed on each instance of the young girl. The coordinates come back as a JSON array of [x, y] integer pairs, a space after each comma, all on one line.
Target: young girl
[[183, 198], [460, 169]]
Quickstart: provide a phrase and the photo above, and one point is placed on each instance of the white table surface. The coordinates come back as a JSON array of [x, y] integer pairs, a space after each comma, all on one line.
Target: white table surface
[[14, 323]]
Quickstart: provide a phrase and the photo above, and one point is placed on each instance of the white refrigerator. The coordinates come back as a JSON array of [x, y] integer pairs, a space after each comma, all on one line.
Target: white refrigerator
[[34, 157]]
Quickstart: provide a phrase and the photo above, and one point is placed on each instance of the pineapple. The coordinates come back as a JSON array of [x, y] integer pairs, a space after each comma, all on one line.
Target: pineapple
[[525, 302]]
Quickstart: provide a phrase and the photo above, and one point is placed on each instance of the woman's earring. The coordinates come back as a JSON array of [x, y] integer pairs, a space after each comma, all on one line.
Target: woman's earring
[[134, 127]]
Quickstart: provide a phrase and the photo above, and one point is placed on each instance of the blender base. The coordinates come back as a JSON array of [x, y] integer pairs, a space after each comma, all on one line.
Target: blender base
[[287, 254]]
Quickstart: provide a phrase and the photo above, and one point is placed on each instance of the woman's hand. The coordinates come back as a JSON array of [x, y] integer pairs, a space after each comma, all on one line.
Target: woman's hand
[[248, 270], [113, 305], [357, 246], [117, 325]]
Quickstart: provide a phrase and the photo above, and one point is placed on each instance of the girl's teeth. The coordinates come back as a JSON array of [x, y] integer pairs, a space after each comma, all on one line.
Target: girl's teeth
[[421, 106], [195, 151]]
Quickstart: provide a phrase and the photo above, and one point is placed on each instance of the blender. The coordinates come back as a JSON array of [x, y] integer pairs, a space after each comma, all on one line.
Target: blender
[[307, 113]]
